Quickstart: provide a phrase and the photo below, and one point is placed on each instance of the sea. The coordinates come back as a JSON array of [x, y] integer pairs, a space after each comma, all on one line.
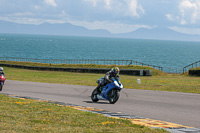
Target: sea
[[164, 53]]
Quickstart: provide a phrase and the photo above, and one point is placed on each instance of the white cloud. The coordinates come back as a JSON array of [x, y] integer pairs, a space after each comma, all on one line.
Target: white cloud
[[115, 16], [134, 8], [23, 14], [22, 20], [107, 4], [193, 31], [51, 3], [120, 7], [113, 27], [94, 2], [36, 7], [170, 17], [189, 12]]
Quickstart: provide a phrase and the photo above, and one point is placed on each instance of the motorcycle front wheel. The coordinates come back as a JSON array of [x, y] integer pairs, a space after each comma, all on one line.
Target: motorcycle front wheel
[[94, 96], [113, 96]]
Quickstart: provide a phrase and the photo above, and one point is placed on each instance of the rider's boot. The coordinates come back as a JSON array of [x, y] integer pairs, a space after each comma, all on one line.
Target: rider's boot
[[98, 88]]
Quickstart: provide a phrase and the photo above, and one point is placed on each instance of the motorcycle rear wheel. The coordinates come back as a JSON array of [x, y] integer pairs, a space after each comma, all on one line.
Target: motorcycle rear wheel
[[113, 96], [94, 96]]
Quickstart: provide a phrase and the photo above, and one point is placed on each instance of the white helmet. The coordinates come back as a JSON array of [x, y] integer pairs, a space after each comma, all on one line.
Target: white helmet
[[1, 68]]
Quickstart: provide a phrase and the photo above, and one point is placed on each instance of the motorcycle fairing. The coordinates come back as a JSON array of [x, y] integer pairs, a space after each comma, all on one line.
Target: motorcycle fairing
[[108, 88], [2, 79]]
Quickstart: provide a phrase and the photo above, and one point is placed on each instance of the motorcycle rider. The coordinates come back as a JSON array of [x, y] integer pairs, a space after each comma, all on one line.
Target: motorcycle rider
[[1, 71], [108, 78]]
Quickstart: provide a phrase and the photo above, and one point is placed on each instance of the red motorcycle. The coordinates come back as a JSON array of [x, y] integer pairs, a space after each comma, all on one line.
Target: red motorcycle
[[2, 80]]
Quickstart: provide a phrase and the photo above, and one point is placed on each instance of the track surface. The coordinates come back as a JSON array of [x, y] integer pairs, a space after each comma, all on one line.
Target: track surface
[[180, 108]]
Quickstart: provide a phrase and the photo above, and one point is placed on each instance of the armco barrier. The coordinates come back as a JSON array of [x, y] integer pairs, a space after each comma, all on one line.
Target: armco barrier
[[194, 72], [83, 70]]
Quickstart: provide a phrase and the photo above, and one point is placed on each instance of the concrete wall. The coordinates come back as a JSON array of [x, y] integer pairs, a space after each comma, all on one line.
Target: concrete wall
[[83, 70]]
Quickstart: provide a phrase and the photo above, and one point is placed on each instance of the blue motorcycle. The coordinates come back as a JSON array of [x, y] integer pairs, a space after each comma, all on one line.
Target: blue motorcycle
[[109, 92]]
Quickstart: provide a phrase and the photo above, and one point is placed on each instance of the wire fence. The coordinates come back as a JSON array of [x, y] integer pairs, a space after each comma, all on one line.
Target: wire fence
[[102, 62], [173, 70], [193, 65], [80, 61]]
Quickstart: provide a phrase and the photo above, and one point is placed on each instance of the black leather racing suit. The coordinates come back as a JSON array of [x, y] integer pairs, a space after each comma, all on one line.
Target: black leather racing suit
[[1, 72], [108, 78]]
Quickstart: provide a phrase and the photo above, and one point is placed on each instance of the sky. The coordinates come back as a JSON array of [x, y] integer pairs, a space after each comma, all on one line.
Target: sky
[[116, 16]]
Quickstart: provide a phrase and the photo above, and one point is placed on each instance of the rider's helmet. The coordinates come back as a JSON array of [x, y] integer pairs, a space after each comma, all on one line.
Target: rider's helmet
[[1, 68], [115, 71]]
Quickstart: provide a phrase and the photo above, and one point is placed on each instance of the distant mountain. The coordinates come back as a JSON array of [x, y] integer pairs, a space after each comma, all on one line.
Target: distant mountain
[[51, 29], [161, 33]]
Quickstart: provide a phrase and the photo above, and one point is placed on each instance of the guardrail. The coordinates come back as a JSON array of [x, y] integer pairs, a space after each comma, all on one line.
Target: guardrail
[[193, 65], [83, 70], [80, 61], [172, 70]]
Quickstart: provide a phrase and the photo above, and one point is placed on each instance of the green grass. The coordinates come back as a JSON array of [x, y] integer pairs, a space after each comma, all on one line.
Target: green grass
[[163, 82], [154, 71], [23, 115], [197, 68]]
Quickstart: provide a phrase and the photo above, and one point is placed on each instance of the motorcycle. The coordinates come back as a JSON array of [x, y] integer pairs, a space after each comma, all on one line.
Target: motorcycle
[[109, 92], [2, 80]]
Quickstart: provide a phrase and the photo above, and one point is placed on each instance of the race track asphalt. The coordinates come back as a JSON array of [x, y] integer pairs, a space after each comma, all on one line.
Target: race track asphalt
[[180, 108]]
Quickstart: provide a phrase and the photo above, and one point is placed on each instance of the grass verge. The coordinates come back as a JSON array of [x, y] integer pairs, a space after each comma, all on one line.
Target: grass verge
[[25, 115], [197, 68], [154, 71]]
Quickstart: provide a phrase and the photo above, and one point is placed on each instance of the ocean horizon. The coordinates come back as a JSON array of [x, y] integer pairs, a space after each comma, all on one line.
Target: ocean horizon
[[162, 53]]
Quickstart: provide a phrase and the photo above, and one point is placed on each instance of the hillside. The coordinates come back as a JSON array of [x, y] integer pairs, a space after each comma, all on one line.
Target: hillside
[[67, 29]]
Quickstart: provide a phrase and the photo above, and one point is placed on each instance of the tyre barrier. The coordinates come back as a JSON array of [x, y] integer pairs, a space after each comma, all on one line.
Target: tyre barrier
[[194, 72], [83, 70]]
